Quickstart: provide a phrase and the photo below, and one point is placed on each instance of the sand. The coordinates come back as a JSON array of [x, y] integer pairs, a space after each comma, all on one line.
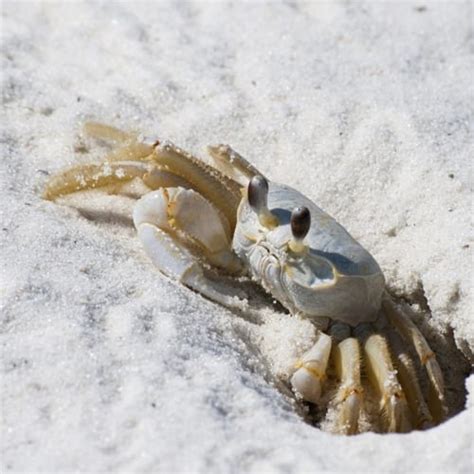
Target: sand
[[109, 366]]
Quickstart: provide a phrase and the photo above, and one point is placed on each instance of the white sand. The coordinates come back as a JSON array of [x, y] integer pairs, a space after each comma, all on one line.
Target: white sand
[[107, 365]]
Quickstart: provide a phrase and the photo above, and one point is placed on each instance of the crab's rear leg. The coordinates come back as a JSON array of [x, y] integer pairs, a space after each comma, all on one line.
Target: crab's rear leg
[[177, 226], [407, 328], [408, 378]]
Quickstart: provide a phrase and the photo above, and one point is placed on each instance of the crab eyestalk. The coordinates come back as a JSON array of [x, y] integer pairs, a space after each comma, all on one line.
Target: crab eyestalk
[[300, 225], [257, 194]]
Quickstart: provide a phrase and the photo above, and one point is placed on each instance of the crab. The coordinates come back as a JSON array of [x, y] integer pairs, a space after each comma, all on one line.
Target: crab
[[229, 217]]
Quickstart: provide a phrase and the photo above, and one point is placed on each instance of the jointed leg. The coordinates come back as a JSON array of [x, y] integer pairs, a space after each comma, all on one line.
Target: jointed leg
[[121, 165], [108, 133], [411, 333], [151, 162], [232, 164], [93, 175], [408, 378], [349, 397], [130, 149], [311, 370], [383, 377]]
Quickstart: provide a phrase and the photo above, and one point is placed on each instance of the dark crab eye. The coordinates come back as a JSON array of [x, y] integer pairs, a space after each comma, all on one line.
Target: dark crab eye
[[300, 222], [257, 193]]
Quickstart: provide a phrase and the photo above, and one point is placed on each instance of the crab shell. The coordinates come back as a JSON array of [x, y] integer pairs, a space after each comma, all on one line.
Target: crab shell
[[334, 277]]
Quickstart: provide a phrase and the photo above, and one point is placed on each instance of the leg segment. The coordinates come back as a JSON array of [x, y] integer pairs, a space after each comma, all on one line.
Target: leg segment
[[91, 176], [311, 370], [224, 193], [408, 377], [407, 328], [349, 397], [232, 164], [108, 133], [131, 148], [384, 379]]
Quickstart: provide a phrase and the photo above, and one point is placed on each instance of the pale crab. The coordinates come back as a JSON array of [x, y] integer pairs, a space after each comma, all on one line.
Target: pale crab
[[231, 218]]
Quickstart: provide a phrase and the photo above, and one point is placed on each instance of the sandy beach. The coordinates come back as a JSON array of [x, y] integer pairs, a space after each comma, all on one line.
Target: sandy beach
[[109, 366]]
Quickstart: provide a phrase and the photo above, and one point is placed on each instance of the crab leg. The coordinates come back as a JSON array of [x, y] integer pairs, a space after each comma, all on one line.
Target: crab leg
[[91, 176], [384, 379], [311, 370], [132, 148], [134, 151], [232, 164], [347, 358], [163, 166], [224, 193], [408, 378], [407, 328], [107, 132]]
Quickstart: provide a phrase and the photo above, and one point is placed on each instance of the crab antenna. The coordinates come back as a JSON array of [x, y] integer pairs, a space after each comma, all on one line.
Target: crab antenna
[[300, 225], [257, 194]]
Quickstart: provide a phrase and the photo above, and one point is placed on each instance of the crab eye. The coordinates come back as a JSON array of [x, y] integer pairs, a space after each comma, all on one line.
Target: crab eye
[[300, 222], [257, 194]]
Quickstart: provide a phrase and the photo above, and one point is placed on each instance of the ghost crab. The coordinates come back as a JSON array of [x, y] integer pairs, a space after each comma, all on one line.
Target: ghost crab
[[231, 218]]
